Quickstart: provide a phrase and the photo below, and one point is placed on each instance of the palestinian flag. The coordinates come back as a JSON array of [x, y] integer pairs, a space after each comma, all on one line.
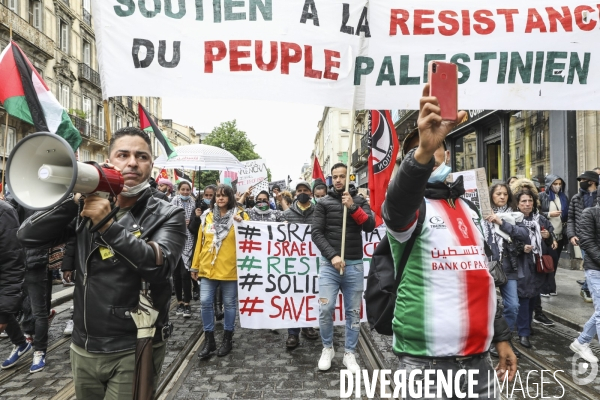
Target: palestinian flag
[[25, 96], [148, 125]]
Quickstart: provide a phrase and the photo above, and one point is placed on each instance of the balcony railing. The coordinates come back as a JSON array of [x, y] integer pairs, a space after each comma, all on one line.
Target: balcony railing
[[87, 17], [130, 103], [89, 131], [364, 145], [26, 31], [87, 73], [98, 134], [66, 2], [358, 160]]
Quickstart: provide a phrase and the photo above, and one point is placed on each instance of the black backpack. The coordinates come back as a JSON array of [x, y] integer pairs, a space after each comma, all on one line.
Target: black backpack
[[382, 287]]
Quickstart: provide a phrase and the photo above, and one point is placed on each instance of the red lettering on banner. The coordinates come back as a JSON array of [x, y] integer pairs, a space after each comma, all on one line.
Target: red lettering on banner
[[235, 55], [292, 311], [258, 55], [420, 19], [369, 249], [273, 299], [309, 72], [579, 18], [565, 19], [290, 53], [210, 57], [447, 17], [286, 309], [299, 312], [309, 309], [329, 64], [466, 22], [534, 21], [508, 17], [482, 16], [396, 22]]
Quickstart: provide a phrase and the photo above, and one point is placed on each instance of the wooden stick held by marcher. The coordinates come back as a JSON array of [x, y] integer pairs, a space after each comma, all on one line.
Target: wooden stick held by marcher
[[107, 120], [345, 210]]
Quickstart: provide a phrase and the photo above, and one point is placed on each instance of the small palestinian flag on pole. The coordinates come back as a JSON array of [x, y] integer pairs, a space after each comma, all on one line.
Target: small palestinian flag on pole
[[148, 125], [25, 96]]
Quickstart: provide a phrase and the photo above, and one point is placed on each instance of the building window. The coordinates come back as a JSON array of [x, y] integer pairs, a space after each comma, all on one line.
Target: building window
[[87, 109], [64, 36], [12, 138], [87, 5], [87, 53], [155, 106], [35, 13], [465, 148], [13, 6], [529, 145], [86, 155], [100, 158], [65, 96], [101, 117], [118, 123]]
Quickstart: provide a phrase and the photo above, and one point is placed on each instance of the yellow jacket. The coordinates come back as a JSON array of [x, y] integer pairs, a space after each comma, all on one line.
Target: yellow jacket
[[225, 266]]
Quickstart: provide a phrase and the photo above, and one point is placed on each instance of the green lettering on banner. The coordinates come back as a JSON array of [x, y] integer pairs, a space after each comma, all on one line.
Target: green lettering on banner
[[147, 13], [463, 69], [359, 70], [404, 78], [318, 265], [273, 265], [552, 65], [431, 57], [539, 67], [575, 66], [485, 64], [304, 260], [199, 10], [516, 64], [386, 72], [289, 269], [125, 13], [234, 16], [266, 9], [169, 9], [217, 10], [502, 67]]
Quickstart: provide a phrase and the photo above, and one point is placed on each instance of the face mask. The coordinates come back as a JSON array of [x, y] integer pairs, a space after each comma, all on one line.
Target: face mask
[[250, 203], [133, 191], [303, 198], [185, 198], [440, 174], [584, 185], [556, 188], [206, 201], [262, 206]]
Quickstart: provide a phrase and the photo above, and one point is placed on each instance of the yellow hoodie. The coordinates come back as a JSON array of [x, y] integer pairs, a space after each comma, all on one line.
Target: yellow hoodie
[[225, 266]]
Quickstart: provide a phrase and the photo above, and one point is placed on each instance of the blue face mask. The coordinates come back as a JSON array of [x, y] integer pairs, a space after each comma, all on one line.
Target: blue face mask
[[184, 197], [440, 174], [206, 201]]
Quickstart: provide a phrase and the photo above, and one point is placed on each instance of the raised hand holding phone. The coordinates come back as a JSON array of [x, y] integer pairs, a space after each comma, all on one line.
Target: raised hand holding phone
[[443, 84]]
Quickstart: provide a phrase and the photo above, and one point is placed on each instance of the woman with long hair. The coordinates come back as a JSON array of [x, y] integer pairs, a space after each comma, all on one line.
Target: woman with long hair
[[502, 230], [215, 264], [181, 275], [541, 242]]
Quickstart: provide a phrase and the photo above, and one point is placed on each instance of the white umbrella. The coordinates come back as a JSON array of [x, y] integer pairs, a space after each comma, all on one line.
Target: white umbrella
[[200, 157]]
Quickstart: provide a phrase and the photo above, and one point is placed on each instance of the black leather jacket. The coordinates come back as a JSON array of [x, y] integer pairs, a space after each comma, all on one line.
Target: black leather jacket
[[107, 289], [327, 226], [589, 239]]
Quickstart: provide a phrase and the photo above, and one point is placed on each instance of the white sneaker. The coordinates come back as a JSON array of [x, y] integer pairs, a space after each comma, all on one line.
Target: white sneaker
[[350, 363], [69, 328], [326, 357], [584, 351], [3, 334]]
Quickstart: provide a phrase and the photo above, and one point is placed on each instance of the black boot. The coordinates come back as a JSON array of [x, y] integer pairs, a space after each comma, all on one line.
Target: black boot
[[209, 345], [227, 344], [218, 304]]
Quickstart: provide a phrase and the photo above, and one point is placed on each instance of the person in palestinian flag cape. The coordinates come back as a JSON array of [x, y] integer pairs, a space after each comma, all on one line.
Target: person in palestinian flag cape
[[446, 301]]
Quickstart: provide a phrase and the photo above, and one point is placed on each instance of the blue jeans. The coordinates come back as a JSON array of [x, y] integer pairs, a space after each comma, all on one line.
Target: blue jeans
[[352, 286], [510, 299], [585, 284], [207, 295], [592, 327]]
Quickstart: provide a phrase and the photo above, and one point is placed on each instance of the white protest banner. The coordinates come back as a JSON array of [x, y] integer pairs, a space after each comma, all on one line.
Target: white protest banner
[[254, 173], [534, 55], [278, 282], [476, 188]]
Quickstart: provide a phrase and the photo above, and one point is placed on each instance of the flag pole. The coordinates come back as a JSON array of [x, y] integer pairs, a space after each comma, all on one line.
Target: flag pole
[[106, 120], [345, 214], [5, 132]]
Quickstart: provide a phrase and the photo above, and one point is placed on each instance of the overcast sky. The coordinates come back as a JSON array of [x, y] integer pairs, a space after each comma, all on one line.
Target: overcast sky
[[282, 132]]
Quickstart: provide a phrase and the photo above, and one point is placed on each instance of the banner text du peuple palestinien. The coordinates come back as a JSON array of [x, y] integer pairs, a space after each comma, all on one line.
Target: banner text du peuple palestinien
[[379, 45]]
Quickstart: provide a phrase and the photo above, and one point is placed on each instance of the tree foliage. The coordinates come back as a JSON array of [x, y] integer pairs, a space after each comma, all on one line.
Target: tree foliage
[[227, 136]]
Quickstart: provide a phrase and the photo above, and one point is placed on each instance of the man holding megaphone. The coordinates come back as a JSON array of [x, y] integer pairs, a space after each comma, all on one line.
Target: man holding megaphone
[[143, 241]]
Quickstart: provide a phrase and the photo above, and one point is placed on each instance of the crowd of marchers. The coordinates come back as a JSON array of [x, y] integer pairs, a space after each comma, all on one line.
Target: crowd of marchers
[[180, 242]]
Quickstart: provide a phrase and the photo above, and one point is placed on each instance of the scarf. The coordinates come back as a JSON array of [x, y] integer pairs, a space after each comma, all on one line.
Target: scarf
[[221, 226], [135, 190], [535, 234], [490, 229], [441, 191], [261, 212], [188, 206]]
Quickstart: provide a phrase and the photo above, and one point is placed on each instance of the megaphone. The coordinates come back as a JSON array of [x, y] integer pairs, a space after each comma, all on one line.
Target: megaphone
[[42, 172]]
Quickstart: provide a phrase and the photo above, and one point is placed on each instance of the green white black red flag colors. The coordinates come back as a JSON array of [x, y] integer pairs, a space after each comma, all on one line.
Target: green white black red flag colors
[[25, 95], [383, 144], [148, 125]]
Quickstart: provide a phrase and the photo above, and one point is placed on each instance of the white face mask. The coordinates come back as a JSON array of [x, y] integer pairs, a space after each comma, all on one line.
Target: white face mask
[[556, 188]]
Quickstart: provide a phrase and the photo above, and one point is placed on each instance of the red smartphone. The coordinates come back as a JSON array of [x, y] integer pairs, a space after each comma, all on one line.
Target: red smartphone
[[443, 84]]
